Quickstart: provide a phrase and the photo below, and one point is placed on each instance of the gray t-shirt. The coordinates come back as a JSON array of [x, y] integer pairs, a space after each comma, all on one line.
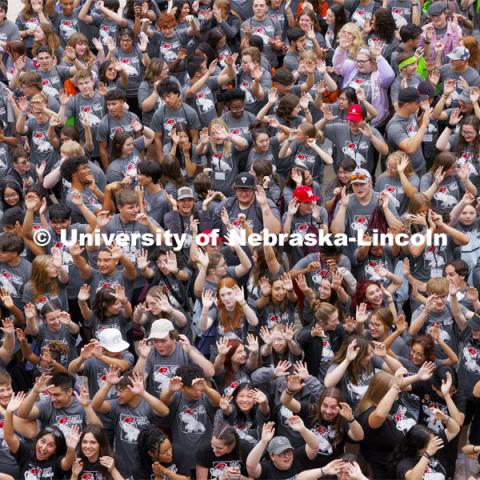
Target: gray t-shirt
[[394, 187], [13, 279], [355, 146], [203, 101], [128, 165], [110, 125], [40, 148], [63, 418], [267, 30], [245, 83], [53, 80], [470, 75], [160, 368], [399, 129], [164, 119]]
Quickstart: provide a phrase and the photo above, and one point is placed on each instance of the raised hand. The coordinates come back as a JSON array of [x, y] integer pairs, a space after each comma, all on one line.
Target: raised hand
[[294, 383], [352, 351], [207, 299], [83, 397], [222, 346], [345, 411], [72, 437], [15, 402], [282, 368], [225, 402], [268, 431], [137, 387], [259, 396], [252, 343], [295, 423], [361, 314], [113, 375]]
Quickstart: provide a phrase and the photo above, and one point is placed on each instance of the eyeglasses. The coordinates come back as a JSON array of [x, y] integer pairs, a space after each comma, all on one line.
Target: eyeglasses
[[358, 177], [363, 61], [237, 110]]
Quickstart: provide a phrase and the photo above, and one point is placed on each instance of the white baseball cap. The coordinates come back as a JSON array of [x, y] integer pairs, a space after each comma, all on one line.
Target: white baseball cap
[[111, 339], [160, 329]]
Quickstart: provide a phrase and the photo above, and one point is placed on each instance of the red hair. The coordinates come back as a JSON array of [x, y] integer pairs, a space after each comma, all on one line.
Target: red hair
[[360, 295], [228, 321], [227, 364]]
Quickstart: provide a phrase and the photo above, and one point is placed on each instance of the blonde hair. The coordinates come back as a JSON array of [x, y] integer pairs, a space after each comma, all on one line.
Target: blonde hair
[[438, 286], [398, 156], [227, 144], [39, 97], [357, 43], [71, 148], [40, 279], [377, 388]]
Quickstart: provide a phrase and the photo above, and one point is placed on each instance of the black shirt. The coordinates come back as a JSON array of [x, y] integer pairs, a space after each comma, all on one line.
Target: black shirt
[[300, 463], [217, 465], [30, 467]]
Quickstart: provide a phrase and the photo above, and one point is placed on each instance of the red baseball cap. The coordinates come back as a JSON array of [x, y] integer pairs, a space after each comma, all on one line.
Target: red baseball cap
[[354, 113], [304, 194]]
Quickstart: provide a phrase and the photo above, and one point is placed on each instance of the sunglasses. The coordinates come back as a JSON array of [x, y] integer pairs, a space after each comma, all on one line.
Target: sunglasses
[[358, 177]]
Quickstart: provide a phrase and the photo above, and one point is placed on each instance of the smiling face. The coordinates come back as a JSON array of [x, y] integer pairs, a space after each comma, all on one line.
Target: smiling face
[[60, 397], [90, 447], [279, 343], [245, 196], [128, 212], [417, 354], [377, 329], [105, 263], [374, 295], [439, 21], [244, 400], [364, 63], [305, 23], [469, 133], [67, 7], [81, 48], [325, 289], [332, 322], [329, 409], [6, 392], [52, 319], [283, 461], [45, 447], [262, 142], [11, 197], [45, 61], [128, 147], [185, 206], [220, 448], [278, 292], [240, 355], [330, 17]]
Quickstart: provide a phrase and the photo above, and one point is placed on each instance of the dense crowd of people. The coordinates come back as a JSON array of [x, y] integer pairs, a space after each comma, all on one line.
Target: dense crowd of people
[[202, 356]]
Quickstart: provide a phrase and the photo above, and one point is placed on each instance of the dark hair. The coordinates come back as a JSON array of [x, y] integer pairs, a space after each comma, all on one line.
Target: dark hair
[[115, 94], [14, 186], [149, 440], [283, 76], [208, 51], [44, 49], [428, 344], [188, 373], [214, 36], [340, 18], [194, 65], [409, 446], [202, 184], [71, 165], [127, 31], [440, 374], [286, 105], [65, 381], [228, 435], [102, 72], [385, 25], [49, 307], [350, 94], [409, 32], [4, 6], [59, 212], [10, 242], [60, 445], [460, 266], [118, 142], [179, 4], [150, 168], [104, 447], [234, 94], [103, 299], [168, 86], [71, 132], [257, 42], [13, 215], [293, 34]]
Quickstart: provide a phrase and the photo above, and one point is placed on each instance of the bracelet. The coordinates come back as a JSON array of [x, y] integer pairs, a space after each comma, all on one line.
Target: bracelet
[[352, 420], [288, 392], [321, 472], [450, 126], [427, 455], [428, 43]]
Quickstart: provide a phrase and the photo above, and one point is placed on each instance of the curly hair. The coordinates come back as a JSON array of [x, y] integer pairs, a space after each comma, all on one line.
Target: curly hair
[[385, 26]]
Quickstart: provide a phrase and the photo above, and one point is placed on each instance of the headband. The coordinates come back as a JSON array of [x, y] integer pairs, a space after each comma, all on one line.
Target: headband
[[407, 62]]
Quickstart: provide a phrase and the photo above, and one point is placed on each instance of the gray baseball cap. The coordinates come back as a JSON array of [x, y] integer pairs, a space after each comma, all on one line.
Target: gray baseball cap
[[278, 445]]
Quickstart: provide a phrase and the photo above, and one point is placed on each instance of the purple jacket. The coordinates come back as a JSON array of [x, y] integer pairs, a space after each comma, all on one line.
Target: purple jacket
[[381, 79], [452, 38]]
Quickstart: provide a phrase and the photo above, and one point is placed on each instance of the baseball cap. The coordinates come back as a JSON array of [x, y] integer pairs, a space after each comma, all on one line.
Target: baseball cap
[[436, 9], [244, 180], [409, 95], [459, 53], [354, 113], [213, 236], [474, 322], [111, 339], [278, 445], [304, 194], [160, 329], [360, 175], [465, 95], [426, 88], [184, 192]]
